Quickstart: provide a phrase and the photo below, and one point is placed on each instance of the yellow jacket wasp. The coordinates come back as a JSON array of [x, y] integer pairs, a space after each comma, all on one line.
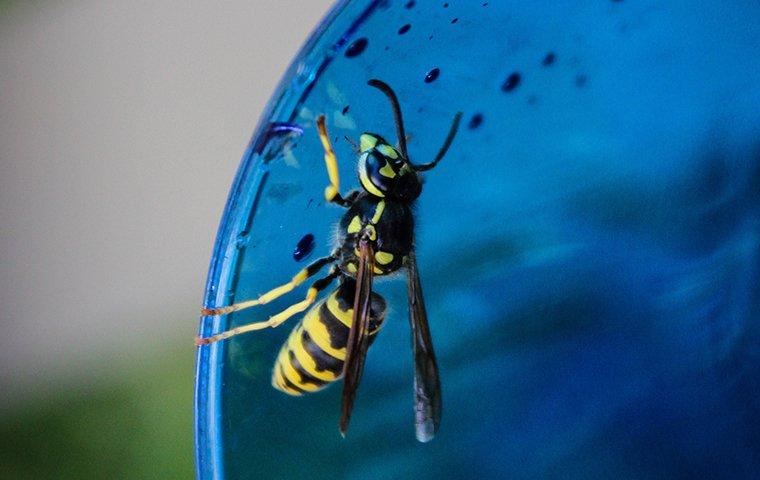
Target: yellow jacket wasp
[[375, 237]]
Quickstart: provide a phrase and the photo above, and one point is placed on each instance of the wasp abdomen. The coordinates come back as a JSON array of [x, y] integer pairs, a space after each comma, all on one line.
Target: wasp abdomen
[[314, 353]]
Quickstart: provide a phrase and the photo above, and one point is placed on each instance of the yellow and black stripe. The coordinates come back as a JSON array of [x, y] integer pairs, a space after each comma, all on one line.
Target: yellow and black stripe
[[314, 353]]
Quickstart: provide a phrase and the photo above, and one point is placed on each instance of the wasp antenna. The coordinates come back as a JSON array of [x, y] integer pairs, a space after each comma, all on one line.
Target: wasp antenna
[[352, 142], [388, 91], [444, 147]]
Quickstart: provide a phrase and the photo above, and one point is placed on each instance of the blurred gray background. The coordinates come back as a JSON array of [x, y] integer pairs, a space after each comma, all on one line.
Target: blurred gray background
[[121, 127]]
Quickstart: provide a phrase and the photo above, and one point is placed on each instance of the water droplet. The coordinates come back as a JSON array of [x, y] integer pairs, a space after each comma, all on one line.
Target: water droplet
[[581, 81], [345, 110], [548, 59], [512, 81], [241, 241], [454, 20], [404, 29], [304, 247], [356, 48], [409, 4], [475, 121], [432, 75]]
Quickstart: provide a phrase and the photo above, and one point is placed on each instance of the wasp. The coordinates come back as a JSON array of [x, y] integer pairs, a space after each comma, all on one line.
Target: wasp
[[375, 238]]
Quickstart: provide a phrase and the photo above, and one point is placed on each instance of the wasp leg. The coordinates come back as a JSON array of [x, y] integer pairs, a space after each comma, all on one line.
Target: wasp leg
[[277, 319], [332, 191], [276, 292]]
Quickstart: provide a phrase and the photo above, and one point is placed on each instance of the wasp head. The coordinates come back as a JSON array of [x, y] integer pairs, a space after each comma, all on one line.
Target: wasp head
[[384, 172]]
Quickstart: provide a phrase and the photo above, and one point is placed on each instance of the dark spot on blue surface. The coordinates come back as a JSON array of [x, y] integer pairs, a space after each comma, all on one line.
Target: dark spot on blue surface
[[475, 121], [357, 47], [485, 4], [404, 29], [432, 75], [282, 192], [445, 5], [304, 247], [387, 48], [581, 80], [532, 99], [430, 37], [548, 59], [409, 4], [345, 110], [512, 82], [454, 20]]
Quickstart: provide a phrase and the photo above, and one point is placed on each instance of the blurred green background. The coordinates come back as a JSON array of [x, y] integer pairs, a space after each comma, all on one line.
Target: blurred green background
[[121, 127], [135, 423]]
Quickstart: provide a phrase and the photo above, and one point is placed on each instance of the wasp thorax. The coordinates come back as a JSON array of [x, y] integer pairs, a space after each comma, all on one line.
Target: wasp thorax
[[383, 172]]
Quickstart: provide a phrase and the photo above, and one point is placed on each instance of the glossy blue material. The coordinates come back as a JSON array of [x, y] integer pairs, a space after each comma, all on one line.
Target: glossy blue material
[[589, 249]]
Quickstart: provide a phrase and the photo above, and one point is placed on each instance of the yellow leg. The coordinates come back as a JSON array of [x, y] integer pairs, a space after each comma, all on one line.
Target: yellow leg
[[277, 319], [273, 322], [274, 293], [332, 191]]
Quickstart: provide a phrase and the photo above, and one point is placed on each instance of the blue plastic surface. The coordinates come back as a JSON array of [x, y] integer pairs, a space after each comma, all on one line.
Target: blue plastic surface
[[589, 248]]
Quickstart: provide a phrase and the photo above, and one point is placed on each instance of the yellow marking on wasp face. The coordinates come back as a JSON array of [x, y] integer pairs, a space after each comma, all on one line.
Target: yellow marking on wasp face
[[367, 142], [292, 374], [383, 258], [377, 270], [351, 267], [319, 334], [387, 171], [307, 362], [367, 183], [388, 151], [345, 316], [355, 225], [378, 212]]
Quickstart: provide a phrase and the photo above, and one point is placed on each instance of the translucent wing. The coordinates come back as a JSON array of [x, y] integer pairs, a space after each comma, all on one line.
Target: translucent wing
[[358, 337], [427, 384]]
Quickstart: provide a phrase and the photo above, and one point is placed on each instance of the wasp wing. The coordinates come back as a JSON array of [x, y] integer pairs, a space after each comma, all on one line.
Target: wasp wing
[[358, 337], [427, 384]]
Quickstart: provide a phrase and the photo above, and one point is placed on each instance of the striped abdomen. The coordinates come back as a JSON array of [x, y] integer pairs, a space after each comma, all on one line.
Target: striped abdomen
[[314, 353]]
